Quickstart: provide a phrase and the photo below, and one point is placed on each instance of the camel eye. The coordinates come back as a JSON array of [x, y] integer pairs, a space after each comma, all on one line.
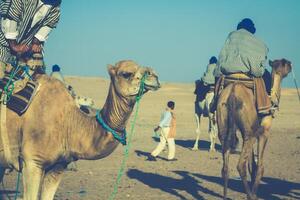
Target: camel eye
[[126, 75]]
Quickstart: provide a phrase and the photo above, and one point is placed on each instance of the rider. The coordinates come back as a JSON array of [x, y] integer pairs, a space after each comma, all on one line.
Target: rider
[[208, 77], [25, 26], [206, 84], [244, 55], [56, 73]]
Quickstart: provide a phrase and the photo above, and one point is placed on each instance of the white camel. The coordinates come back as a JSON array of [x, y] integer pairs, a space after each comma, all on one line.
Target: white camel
[[202, 109]]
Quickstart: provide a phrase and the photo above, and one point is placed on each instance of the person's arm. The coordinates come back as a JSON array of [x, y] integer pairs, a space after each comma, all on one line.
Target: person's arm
[[166, 117], [9, 28], [49, 24], [11, 11], [259, 70]]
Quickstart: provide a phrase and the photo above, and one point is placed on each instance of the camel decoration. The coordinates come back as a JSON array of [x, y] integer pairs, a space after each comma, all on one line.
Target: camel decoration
[[202, 108], [236, 110], [54, 132]]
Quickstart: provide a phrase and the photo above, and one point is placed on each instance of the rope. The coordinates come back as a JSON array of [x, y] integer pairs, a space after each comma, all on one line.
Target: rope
[[121, 139], [17, 185], [131, 133], [295, 81], [10, 85]]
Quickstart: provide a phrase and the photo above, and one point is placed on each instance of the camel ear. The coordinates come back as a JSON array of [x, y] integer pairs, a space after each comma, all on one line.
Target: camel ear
[[271, 63], [111, 70]]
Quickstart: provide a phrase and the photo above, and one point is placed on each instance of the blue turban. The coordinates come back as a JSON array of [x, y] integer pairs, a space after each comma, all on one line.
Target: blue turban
[[247, 24], [52, 2], [213, 60], [55, 68]]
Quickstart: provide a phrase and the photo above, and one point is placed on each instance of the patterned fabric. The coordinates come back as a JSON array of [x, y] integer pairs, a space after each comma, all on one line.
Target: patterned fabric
[[242, 52], [23, 12]]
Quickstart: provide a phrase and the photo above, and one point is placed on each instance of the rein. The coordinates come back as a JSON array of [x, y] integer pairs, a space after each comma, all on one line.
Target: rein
[[100, 120]]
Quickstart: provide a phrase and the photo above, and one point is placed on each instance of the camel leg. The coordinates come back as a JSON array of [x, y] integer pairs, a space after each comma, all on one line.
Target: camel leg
[[262, 141], [212, 133], [225, 173], [242, 165], [222, 117], [252, 167], [198, 132], [51, 182], [32, 177], [2, 172]]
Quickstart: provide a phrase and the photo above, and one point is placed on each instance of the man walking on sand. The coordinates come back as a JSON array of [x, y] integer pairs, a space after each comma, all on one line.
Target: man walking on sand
[[167, 127]]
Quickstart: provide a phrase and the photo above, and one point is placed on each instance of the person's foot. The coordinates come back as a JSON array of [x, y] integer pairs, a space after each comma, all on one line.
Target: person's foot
[[173, 159], [151, 158]]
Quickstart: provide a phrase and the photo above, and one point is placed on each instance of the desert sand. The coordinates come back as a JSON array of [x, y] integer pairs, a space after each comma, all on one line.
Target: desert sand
[[196, 174]]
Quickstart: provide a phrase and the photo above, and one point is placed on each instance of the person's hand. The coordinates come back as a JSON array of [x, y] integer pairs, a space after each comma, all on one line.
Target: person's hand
[[36, 46], [156, 129], [18, 49]]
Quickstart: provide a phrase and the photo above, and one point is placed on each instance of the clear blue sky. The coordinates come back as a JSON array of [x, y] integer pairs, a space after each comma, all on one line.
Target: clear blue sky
[[175, 37]]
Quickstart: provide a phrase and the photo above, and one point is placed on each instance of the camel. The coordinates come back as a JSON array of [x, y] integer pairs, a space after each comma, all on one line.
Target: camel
[[236, 110], [54, 132], [203, 110]]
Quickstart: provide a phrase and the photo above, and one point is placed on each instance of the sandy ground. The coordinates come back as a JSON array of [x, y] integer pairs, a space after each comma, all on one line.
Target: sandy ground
[[196, 174]]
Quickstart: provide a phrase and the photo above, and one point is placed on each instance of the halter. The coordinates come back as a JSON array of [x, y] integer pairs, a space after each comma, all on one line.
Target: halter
[[122, 138]]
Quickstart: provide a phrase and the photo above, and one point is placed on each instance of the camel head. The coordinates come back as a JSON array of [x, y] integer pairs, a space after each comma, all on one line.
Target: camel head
[[280, 69], [126, 78]]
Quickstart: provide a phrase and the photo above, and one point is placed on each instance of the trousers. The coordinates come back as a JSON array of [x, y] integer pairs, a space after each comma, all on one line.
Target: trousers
[[163, 140]]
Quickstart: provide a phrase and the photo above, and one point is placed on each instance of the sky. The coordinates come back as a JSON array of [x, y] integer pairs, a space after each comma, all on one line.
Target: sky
[[174, 37]]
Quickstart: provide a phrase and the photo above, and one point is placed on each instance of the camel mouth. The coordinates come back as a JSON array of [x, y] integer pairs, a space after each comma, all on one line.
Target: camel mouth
[[152, 87], [147, 88]]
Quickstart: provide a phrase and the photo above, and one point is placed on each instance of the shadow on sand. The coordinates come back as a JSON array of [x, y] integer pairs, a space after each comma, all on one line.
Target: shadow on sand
[[191, 183], [170, 185], [147, 155], [6, 194]]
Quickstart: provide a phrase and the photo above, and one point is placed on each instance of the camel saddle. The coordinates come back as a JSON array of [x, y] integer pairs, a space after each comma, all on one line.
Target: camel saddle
[[19, 85], [21, 96], [263, 102], [201, 89]]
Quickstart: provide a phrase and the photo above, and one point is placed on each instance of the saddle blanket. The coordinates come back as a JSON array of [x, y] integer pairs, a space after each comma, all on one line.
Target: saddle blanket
[[21, 99]]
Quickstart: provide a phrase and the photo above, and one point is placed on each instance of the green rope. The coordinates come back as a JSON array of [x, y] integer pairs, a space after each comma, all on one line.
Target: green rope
[[17, 185], [10, 85], [130, 136]]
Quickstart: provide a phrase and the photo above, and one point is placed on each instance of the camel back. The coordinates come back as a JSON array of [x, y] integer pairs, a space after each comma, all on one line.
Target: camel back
[[257, 85]]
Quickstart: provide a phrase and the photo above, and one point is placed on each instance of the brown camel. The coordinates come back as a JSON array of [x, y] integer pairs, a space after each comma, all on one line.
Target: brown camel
[[236, 110], [54, 132]]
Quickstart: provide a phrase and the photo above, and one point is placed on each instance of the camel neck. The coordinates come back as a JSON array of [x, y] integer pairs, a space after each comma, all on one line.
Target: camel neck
[[275, 90], [116, 110], [98, 142]]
